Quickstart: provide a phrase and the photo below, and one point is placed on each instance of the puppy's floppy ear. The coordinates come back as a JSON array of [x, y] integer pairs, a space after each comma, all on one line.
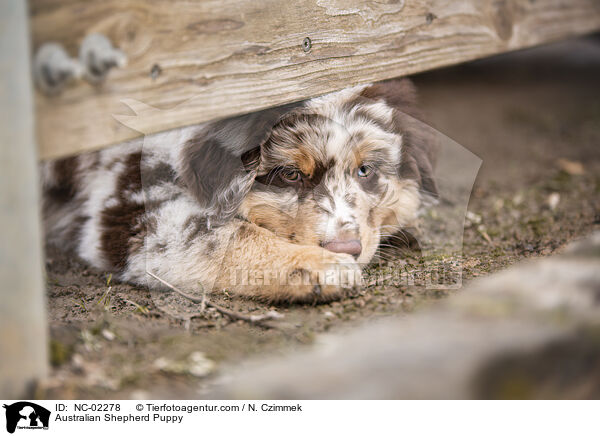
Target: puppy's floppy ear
[[219, 164], [418, 155], [401, 94], [419, 143]]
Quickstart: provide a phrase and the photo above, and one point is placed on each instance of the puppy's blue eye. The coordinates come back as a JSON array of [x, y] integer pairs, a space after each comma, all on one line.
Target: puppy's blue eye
[[364, 171]]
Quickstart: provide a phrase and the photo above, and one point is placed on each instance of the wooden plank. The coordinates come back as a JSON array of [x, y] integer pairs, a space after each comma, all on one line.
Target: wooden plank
[[219, 58], [23, 338]]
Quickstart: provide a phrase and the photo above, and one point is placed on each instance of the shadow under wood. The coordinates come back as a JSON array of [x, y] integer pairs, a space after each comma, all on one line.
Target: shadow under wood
[[564, 369]]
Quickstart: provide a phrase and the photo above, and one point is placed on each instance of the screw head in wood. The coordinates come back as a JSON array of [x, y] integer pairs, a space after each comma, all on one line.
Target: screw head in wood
[[155, 71], [430, 17], [306, 44]]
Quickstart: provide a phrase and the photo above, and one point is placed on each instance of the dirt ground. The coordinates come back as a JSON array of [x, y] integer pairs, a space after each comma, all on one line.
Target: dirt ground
[[533, 118]]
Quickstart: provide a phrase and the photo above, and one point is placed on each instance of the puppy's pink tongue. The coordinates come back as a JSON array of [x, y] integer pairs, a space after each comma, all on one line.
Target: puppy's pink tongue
[[352, 246]]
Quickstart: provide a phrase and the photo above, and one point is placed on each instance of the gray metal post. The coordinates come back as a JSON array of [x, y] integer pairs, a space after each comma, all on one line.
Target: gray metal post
[[23, 323]]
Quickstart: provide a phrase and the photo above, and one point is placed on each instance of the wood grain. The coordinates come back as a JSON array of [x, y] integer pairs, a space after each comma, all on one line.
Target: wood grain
[[23, 322], [218, 58]]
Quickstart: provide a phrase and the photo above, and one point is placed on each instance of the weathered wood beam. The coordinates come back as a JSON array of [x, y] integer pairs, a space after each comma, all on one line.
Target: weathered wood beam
[[198, 60], [23, 338]]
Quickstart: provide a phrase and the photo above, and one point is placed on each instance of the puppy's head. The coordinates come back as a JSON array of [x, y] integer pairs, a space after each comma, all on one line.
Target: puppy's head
[[340, 171]]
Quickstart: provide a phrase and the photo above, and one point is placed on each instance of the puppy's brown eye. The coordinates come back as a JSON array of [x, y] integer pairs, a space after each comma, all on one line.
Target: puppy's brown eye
[[290, 175], [364, 171]]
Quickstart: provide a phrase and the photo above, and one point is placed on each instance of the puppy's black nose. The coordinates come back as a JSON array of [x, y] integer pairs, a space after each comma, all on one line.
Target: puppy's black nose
[[350, 246]]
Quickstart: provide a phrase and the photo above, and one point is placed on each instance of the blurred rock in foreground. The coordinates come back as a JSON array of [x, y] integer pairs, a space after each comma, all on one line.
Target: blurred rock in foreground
[[532, 331]]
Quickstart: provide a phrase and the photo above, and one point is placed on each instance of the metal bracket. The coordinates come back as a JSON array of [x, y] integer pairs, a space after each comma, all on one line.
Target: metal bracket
[[98, 57], [53, 68]]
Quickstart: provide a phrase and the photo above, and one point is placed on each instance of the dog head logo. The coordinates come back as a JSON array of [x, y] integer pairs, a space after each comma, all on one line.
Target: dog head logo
[[26, 415]]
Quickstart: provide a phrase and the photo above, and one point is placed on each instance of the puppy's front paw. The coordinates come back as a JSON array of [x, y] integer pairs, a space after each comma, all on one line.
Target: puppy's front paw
[[317, 274]]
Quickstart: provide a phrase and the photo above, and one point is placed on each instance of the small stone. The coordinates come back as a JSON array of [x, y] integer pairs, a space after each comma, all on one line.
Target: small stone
[[77, 361], [196, 364], [162, 363], [553, 200], [517, 199], [472, 218], [108, 335], [200, 365], [139, 395]]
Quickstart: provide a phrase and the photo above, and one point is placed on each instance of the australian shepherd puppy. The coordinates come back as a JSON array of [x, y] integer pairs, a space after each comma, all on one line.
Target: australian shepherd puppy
[[285, 204]]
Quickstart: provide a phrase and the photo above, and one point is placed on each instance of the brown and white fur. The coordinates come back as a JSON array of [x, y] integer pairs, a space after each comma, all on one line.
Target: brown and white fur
[[283, 205]]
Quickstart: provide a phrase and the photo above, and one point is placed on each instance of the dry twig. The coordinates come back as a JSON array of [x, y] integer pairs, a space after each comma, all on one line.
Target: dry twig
[[252, 319]]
